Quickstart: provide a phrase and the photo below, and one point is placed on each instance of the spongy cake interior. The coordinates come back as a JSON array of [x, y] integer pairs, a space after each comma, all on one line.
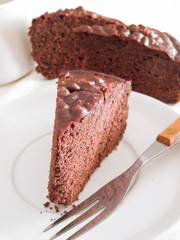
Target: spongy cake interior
[[53, 47]]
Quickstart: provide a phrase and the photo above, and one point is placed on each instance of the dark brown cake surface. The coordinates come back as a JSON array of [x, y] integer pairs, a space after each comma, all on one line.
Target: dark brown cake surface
[[146, 36], [91, 114], [78, 93], [148, 57]]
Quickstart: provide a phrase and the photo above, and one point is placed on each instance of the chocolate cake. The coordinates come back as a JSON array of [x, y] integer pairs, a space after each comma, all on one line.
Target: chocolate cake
[[52, 41], [148, 57], [90, 120]]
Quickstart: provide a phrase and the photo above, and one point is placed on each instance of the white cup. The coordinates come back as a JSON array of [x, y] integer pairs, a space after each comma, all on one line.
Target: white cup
[[15, 59]]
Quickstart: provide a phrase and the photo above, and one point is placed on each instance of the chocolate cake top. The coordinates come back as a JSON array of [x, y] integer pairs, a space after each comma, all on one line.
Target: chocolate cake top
[[77, 12], [79, 91], [149, 37]]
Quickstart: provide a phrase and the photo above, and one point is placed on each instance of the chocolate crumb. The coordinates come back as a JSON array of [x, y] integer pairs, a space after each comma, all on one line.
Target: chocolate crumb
[[41, 212], [46, 205], [51, 208], [73, 205], [56, 208], [65, 212]]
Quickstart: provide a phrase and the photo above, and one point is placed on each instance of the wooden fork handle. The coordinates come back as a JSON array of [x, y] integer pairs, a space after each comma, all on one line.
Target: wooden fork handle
[[171, 134]]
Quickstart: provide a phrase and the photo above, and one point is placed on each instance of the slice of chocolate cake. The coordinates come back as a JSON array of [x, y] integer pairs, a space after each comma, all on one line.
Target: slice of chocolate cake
[[149, 57], [52, 41], [90, 120]]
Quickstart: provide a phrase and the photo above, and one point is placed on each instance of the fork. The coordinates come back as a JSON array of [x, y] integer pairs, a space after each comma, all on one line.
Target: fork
[[106, 199]]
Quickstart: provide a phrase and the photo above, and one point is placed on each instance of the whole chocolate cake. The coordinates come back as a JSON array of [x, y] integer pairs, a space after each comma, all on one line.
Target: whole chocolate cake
[[151, 59], [90, 120]]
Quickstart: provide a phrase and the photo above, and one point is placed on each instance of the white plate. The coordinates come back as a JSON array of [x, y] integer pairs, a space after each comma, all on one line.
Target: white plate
[[150, 208]]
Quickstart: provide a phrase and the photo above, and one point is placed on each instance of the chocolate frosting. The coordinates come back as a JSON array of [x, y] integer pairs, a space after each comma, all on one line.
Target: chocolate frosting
[[78, 92], [81, 12], [148, 37]]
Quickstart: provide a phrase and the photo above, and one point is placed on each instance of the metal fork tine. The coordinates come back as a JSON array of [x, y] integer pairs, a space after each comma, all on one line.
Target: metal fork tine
[[91, 224], [97, 207], [75, 210]]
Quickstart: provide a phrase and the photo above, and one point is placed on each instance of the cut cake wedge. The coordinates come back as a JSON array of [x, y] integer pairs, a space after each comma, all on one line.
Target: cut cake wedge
[[90, 120]]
